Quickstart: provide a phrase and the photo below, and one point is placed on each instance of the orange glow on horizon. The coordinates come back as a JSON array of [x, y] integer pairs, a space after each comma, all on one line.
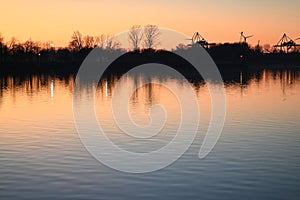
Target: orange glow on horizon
[[217, 21]]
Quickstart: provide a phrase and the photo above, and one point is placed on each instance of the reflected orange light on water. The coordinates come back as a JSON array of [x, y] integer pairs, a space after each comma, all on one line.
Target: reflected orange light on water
[[40, 101]]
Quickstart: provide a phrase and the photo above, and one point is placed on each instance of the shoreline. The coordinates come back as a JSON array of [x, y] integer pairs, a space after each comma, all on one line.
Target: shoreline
[[131, 59]]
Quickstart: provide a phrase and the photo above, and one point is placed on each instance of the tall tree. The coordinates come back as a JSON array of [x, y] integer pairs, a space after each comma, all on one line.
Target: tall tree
[[28, 46], [12, 45], [106, 41], [151, 36], [100, 41], [15, 50], [89, 42], [135, 36], [76, 43], [112, 43]]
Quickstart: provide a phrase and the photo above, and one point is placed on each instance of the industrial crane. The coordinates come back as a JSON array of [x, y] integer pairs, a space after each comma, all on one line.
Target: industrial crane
[[286, 44], [198, 39]]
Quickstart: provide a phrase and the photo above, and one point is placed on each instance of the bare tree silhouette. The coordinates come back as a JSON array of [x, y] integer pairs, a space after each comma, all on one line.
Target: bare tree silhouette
[[100, 41], [47, 46], [31, 47], [12, 42], [135, 36], [89, 42], [76, 43], [13, 46], [106, 41], [14, 54], [182, 46], [151, 34], [111, 43]]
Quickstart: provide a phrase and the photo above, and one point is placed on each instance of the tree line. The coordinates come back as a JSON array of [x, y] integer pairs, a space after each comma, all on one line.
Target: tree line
[[14, 51]]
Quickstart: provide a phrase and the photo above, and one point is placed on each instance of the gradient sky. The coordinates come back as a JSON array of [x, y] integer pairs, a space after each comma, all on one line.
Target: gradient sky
[[217, 21]]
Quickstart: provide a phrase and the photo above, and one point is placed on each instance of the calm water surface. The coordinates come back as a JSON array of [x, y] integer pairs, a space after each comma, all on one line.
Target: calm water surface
[[256, 157]]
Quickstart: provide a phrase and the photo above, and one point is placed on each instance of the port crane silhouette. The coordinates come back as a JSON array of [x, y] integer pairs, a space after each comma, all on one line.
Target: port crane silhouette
[[198, 39], [286, 44]]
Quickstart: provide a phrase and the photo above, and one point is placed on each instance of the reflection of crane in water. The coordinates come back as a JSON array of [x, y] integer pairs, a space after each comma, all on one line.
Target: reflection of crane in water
[[286, 44], [198, 39], [244, 38]]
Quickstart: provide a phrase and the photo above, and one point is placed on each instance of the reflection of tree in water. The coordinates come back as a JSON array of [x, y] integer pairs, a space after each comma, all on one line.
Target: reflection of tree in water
[[32, 85], [145, 91], [287, 79]]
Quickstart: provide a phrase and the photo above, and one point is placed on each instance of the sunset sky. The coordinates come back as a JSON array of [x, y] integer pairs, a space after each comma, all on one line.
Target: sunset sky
[[217, 21]]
